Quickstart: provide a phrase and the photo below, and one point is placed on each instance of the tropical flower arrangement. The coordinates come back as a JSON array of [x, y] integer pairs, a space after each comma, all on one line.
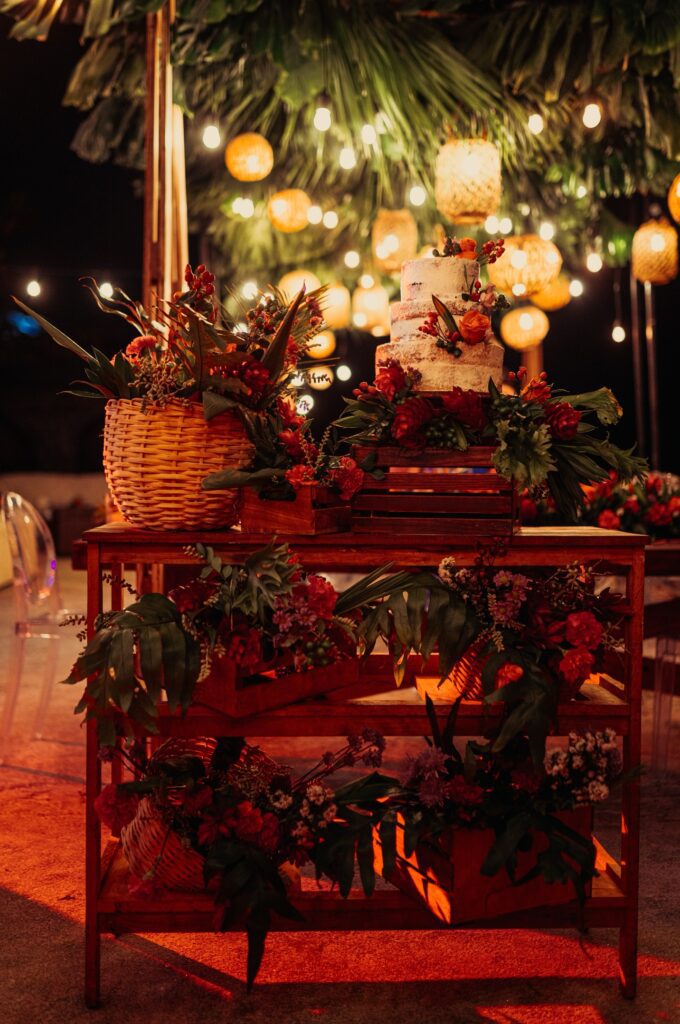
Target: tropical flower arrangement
[[649, 505], [182, 349], [255, 823], [264, 615]]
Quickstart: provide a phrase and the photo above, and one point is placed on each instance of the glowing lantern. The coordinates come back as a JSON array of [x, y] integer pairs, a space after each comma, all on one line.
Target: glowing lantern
[[524, 327], [528, 261], [655, 252], [674, 199], [288, 210], [395, 239], [554, 296], [467, 185], [371, 309], [322, 346], [249, 157], [336, 303], [291, 283], [319, 377]]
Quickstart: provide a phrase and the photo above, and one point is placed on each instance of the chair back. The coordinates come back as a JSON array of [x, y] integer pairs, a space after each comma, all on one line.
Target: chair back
[[34, 559]]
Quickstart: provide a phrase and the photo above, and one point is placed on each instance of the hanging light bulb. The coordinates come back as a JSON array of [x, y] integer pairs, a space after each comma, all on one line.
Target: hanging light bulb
[[347, 158], [491, 224], [352, 259], [106, 290], [33, 289], [505, 225], [249, 290], [581, 192], [343, 372], [576, 288], [211, 136], [322, 119], [547, 231], [315, 214], [369, 135], [592, 115], [618, 333], [535, 124], [330, 219], [366, 281], [417, 195], [246, 208], [594, 262]]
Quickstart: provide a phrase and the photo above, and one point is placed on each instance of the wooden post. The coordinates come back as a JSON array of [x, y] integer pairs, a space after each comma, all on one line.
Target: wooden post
[[533, 360], [640, 429], [165, 205]]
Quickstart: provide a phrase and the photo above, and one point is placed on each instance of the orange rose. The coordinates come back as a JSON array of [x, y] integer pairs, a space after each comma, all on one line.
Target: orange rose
[[474, 327], [468, 249]]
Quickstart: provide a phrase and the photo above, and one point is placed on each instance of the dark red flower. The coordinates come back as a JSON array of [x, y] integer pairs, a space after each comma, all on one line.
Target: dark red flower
[[411, 417], [292, 443], [659, 514], [537, 390], [251, 825], [347, 477], [528, 510], [576, 665], [190, 597], [466, 407], [563, 420], [390, 379], [116, 807], [137, 347], [508, 673], [608, 520], [243, 645], [288, 415], [584, 630], [321, 596], [299, 475]]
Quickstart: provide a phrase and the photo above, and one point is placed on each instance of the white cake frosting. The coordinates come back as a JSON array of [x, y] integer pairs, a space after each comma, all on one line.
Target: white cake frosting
[[447, 278]]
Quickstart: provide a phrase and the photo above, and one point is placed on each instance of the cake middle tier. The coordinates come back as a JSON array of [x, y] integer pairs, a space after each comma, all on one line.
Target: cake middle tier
[[440, 371]]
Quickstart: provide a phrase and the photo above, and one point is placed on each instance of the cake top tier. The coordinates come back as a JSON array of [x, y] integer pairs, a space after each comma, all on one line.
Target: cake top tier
[[444, 276]]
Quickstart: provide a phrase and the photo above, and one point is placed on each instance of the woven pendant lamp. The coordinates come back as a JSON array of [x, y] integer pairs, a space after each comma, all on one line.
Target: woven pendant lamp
[[288, 210], [337, 306], [291, 283], [371, 309], [249, 157], [524, 327], [674, 199], [554, 296], [467, 185], [655, 252], [527, 266], [394, 238]]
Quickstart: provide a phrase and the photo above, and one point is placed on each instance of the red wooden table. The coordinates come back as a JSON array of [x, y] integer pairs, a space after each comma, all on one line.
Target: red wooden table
[[607, 702]]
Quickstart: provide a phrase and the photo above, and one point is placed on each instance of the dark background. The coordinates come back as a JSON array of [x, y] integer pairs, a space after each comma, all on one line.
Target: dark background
[[62, 218]]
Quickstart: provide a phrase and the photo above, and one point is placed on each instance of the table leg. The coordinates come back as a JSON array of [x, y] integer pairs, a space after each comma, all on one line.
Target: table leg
[[92, 789]]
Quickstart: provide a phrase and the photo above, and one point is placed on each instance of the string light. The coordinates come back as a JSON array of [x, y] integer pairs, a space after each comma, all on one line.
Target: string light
[[519, 289], [347, 158], [211, 136], [314, 214], [366, 281], [491, 224], [106, 290], [343, 372], [33, 289], [382, 123], [322, 119], [505, 225], [618, 333], [594, 262], [535, 124], [592, 115], [249, 290], [360, 319], [417, 195], [330, 219], [352, 259], [581, 192], [547, 231], [243, 207], [305, 404], [369, 135], [576, 288]]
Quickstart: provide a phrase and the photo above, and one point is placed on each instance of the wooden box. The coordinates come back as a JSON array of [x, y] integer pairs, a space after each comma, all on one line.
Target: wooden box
[[315, 509], [229, 691], [445, 874], [434, 490]]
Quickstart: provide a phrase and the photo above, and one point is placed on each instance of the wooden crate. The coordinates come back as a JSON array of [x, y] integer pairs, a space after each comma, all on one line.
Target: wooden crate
[[230, 692], [434, 490], [445, 875], [314, 510]]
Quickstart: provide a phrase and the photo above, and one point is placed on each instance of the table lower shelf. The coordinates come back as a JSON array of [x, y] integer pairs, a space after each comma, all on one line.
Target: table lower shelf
[[325, 910]]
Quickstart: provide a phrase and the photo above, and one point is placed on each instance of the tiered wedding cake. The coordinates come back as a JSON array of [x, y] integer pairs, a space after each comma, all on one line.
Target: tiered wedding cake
[[464, 354]]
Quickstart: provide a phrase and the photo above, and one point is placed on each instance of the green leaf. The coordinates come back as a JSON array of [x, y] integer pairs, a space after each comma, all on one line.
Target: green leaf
[[56, 335], [445, 314]]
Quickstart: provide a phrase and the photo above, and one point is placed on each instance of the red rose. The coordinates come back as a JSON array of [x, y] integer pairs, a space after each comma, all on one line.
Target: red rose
[[658, 515], [608, 520], [584, 630], [321, 596], [466, 407], [632, 505], [299, 475], [468, 249], [528, 510], [292, 443], [508, 673], [347, 477], [243, 645], [390, 379], [474, 327], [190, 597], [411, 417], [563, 420], [654, 483], [537, 390], [115, 807], [576, 665]]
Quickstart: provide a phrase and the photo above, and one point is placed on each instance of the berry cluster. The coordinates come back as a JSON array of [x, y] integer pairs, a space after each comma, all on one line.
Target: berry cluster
[[200, 281], [443, 432], [492, 250], [446, 339]]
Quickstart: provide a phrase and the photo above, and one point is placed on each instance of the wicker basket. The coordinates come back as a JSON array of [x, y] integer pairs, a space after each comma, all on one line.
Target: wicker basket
[[466, 674], [155, 459], [149, 844]]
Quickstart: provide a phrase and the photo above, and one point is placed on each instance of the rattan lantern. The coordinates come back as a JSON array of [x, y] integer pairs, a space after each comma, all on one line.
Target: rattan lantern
[[655, 252], [371, 309], [322, 346], [291, 283], [467, 185], [395, 239], [674, 199], [320, 377], [288, 210], [337, 305], [527, 266], [249, 157], [524, 327], [554, 296]]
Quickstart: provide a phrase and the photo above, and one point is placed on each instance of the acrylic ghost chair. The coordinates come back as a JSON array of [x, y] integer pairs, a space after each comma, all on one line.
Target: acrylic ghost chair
[[38, 609]]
